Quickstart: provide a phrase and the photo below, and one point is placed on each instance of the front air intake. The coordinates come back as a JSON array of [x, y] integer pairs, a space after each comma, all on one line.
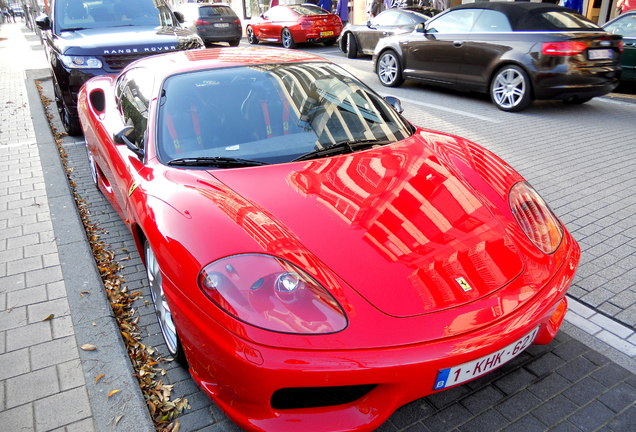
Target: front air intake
[[315, 397]]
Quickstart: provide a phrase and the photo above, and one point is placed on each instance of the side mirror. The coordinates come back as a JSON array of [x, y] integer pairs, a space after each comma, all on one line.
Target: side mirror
[[179, 17], [122, 137], [420, 28], [43, 22], [395, 103]]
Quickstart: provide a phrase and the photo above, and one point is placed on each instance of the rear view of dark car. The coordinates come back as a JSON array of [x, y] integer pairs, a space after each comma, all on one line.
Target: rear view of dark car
[[514, 51], [212, 22]]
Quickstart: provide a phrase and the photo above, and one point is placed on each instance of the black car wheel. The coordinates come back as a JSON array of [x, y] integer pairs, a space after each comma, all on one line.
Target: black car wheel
[[70, 119], [510, 89], [251, 37], [352, 46], [234, 43], [288, 40], [162, 309], [389, 69]]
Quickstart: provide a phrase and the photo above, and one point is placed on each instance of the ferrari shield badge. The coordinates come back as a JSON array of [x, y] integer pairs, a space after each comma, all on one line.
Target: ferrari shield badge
[[132, 187], [464, 284]]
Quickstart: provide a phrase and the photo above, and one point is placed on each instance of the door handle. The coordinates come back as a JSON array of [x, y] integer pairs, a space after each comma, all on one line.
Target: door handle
[[458, 44]]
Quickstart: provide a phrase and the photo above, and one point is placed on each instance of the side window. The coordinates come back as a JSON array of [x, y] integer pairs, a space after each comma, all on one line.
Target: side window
[[386, 19], [404, 19], [457, 21], [133, 98], [491, 21]]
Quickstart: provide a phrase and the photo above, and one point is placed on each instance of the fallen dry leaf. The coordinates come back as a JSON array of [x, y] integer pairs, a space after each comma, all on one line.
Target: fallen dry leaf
[[50, 317], [98, 377], [112, 392], [88, 347]]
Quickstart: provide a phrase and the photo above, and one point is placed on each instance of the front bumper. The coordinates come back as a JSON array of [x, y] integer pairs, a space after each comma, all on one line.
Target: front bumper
[[250, 381]]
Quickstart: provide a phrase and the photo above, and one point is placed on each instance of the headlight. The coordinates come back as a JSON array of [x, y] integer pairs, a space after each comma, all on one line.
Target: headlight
[[535, 218], [272, 294], [81, 62]]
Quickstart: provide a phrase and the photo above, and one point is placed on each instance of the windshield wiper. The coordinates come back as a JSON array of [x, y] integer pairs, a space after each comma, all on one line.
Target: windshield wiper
[[341, 148], [216, 161]]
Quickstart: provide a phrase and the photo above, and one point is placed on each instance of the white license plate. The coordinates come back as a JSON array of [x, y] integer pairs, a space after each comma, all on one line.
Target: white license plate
[[472, 369], [599, 54], [222, 25], [326, 33]]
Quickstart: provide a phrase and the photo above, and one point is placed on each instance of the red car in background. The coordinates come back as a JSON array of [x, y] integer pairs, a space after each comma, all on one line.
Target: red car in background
[[315, 259], [293, 24]]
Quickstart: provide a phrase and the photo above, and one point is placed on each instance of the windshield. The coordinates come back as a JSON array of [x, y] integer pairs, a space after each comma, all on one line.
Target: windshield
[[87, 14], [270, 113]]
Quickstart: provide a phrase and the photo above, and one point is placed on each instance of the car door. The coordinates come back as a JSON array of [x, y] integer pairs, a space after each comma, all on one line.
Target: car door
[[385, 24], [437, 53], [122, 170], [490, 39], [274, 21]]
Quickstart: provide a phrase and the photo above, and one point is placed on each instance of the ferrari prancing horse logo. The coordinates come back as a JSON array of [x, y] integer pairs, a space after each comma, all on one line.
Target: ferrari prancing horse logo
[[132, 188], [464, 284]]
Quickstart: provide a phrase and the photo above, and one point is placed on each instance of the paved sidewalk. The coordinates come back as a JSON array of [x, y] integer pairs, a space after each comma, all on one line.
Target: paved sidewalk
[[48, 383]]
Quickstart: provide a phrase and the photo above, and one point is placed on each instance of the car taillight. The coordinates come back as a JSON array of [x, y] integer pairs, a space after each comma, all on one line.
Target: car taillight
[[305, 24], [272, 294], [535, 218], [621, 46], [201, 22], [566, 48]]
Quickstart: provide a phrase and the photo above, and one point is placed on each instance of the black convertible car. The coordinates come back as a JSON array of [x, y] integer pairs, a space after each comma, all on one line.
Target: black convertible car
[[515, 51], [362, 39]]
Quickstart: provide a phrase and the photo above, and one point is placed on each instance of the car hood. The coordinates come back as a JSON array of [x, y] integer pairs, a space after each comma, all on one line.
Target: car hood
[[125, 40], [396, 223]]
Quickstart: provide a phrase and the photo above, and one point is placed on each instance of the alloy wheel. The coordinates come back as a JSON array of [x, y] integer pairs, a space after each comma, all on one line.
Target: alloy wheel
[[510, 89], [389, 71], [288, 40], [162, 309]]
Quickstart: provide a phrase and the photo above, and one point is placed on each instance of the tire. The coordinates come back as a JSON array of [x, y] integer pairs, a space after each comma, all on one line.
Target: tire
[[162, 309], [251, 37], [352, 46], [510, 89], [287, 39], [389, 69], [234, 43], [330, 42], [69, 117]]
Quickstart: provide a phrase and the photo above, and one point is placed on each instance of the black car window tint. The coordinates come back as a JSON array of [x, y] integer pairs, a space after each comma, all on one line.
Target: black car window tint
[[207, 11], [457, 21], [491, 21], [134, 94]]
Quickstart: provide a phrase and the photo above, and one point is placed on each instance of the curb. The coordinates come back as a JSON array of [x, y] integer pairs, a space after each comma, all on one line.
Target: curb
[[93, 319]]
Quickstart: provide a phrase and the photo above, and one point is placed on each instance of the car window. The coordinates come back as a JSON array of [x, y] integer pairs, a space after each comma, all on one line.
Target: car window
[[279, 14], [491, 21], [133, 93], [404, 19], [308, 10], [625, 26], [457, 21], [271, 113], [79, 14], [387, 18], [208, 11]]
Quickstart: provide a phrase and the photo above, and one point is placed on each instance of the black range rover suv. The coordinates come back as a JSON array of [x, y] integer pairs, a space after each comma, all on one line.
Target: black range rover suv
[[84, 38]]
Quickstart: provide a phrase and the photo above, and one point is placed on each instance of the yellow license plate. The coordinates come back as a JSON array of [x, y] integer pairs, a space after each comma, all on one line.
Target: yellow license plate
[[327, 33]]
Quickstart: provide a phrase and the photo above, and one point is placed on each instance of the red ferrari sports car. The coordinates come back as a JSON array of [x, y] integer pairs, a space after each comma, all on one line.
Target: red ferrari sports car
[[316, 260], [292, 24]]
